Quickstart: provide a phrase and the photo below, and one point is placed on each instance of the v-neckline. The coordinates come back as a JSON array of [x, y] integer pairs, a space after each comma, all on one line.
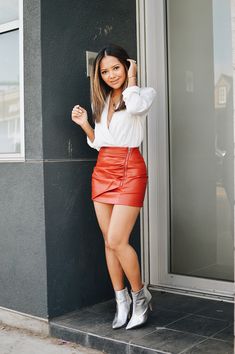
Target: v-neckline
[[106, 122]]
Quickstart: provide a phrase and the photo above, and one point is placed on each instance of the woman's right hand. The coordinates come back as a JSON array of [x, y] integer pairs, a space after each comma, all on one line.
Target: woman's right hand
[[79, 115]]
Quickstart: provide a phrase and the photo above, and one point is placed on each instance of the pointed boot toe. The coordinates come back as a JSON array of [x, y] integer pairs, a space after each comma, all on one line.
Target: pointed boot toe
[[141, 307], [123, 305]]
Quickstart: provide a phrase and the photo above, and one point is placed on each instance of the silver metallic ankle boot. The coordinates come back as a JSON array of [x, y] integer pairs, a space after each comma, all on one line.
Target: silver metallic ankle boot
[[141, 306], [123, 304]]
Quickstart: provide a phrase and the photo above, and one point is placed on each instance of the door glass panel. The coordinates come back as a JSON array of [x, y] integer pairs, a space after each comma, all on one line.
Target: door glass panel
[[9, 10], [201, 62]]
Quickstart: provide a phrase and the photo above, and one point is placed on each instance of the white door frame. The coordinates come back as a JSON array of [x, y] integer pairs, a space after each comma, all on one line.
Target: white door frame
[[155, 214]]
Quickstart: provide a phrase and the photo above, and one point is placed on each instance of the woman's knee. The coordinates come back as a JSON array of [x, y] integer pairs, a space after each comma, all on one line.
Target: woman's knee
[[114, 242], [106, 244]]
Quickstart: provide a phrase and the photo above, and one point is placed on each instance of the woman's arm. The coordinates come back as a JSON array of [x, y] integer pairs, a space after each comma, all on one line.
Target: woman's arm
[[88, 130], [132, 81], [131, 74], [138, 101]]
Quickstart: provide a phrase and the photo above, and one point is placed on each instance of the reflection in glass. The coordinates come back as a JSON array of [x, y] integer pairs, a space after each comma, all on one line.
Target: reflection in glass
[[201, 64], [9, 93], [9, 10]]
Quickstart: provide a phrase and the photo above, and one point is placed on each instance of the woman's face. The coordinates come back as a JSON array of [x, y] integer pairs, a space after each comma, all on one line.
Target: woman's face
[[112, 72]]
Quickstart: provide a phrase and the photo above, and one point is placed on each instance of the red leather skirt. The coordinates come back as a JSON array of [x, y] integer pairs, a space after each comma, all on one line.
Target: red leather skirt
[[119, 177]]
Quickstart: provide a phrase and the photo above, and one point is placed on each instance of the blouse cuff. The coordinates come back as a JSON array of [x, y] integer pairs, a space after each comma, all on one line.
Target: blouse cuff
[[138, 100], [131, 89]]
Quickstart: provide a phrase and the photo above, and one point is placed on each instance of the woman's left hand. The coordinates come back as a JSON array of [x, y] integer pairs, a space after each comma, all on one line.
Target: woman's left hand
[[132, 69]]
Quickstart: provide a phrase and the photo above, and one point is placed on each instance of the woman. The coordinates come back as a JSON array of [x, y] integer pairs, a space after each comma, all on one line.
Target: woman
[[119, 178]]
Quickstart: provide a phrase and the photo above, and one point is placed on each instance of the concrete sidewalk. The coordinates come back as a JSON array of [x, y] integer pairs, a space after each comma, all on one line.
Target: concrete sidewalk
[[18, 341]]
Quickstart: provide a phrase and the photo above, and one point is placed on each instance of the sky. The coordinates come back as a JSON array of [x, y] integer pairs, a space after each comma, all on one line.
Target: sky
[[222, 37]]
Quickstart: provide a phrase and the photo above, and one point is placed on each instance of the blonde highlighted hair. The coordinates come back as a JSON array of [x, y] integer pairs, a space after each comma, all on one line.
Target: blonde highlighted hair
[[99, 89]]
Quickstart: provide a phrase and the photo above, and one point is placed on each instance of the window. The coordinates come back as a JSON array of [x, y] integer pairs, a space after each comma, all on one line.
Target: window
[[11, 108], [222, 95]]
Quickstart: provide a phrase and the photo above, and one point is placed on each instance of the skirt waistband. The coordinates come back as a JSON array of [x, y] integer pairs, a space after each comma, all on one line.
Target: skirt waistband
[[118, 148], [119, 152]]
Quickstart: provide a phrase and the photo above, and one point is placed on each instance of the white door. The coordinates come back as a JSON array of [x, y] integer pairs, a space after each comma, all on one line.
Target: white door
[[187, 52]]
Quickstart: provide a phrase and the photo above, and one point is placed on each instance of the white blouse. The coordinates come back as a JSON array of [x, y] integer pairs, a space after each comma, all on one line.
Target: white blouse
[[126, 127]]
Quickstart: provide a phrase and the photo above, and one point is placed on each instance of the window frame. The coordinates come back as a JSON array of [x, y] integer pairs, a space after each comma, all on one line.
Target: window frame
[[222, 95], [17, 25]]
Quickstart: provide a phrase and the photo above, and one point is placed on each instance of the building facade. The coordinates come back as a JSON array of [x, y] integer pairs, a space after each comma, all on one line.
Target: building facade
[[52, 252]]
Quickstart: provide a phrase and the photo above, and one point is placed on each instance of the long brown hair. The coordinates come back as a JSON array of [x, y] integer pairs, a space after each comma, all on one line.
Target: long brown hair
[[99, 89]]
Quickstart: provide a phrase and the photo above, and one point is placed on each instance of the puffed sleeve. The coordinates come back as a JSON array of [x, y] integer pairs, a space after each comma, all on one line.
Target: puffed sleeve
[[92, 144], [138, 100]]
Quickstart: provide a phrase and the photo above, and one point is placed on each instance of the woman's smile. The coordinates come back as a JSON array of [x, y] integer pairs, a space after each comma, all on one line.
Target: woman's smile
[[114, 82]]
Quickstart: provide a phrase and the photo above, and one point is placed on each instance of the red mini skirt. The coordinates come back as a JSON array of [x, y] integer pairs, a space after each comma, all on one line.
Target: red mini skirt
[[119, 177]]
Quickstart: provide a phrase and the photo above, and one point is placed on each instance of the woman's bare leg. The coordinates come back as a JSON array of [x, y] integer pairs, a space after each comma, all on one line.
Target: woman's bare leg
[[103, 213], [122, 220]]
